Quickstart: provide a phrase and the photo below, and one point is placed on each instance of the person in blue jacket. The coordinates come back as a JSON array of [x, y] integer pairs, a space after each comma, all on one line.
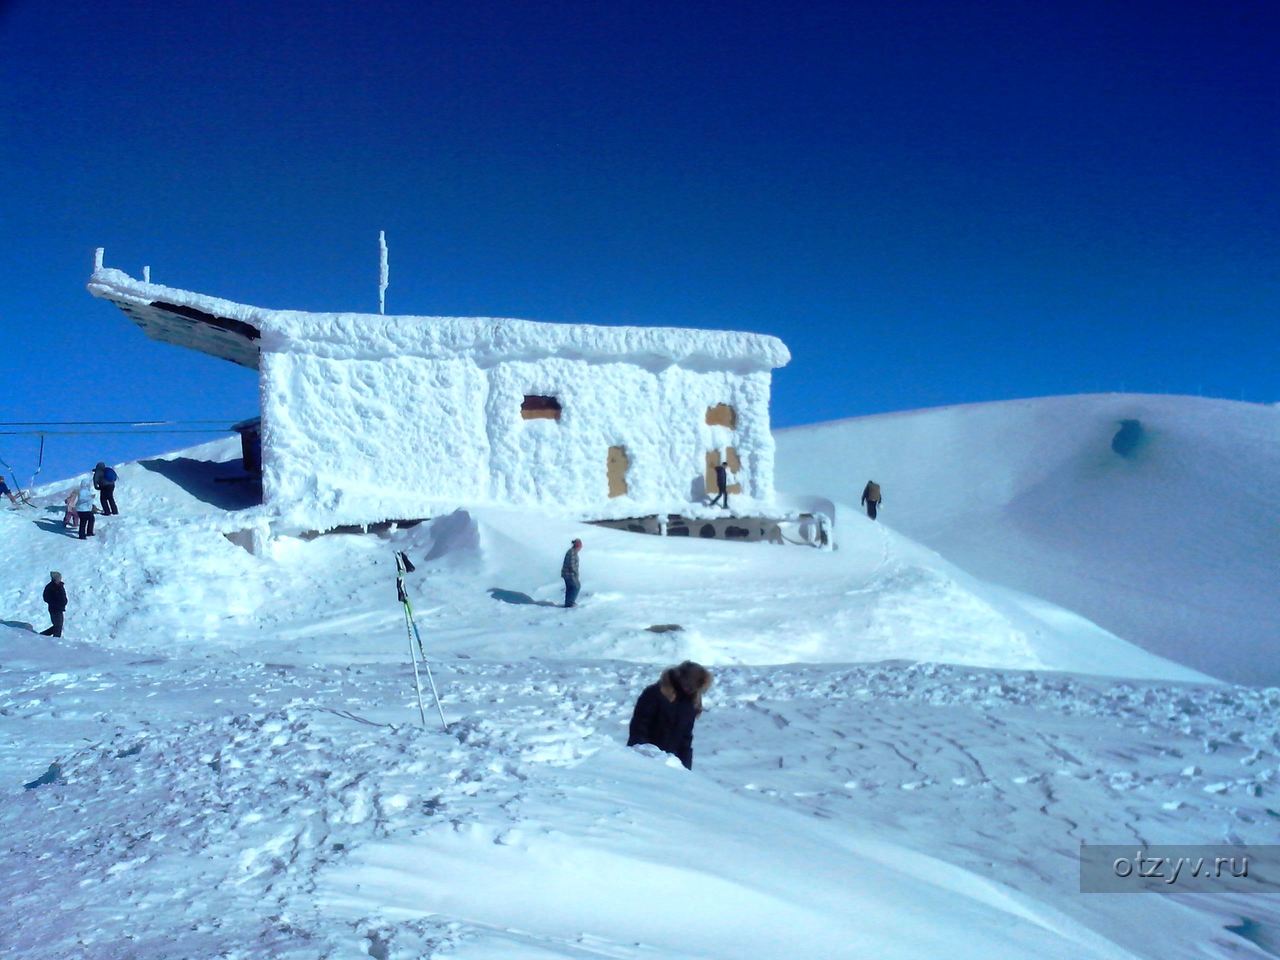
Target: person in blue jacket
[[104, 481]]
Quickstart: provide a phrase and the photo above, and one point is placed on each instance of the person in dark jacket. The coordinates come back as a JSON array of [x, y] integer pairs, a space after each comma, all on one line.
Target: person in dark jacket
[[871, 498], [6, 492], [569, 570], [55, 596], [104, 481], [722, 485], [665, 711]]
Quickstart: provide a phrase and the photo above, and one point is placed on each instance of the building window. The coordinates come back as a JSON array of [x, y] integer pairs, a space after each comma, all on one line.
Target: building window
[[540, 408], [618, 465], [722, 415]]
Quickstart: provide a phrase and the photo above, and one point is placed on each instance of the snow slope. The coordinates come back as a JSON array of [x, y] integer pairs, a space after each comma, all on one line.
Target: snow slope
[[165, 577], [1157, 518], [223, 757]]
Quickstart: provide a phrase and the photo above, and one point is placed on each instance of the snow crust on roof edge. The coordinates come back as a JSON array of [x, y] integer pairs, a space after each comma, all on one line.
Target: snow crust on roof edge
[[371, 336], [116, 285]]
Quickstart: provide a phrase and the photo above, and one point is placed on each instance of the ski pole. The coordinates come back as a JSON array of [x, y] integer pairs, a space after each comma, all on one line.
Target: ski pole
[[417, 683], [427, 665], [403, 566]]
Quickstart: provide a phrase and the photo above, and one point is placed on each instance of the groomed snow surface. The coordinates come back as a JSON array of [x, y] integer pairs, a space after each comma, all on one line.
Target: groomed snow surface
[[897, 759]]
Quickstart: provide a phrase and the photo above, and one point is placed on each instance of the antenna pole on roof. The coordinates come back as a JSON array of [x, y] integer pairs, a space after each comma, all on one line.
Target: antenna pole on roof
[[97, 258], [383, 272]]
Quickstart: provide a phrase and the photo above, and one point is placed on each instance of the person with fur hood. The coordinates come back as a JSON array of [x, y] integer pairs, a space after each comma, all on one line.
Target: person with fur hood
[[665, 711]]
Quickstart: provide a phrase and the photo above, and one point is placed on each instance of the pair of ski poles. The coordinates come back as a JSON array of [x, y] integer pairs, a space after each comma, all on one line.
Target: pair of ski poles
[[403, 566]]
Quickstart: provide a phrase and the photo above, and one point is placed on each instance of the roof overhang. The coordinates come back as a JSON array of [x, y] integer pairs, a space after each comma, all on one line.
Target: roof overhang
[[180, 324]]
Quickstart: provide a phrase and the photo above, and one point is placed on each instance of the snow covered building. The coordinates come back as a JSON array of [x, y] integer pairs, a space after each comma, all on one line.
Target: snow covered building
[[368, 417]]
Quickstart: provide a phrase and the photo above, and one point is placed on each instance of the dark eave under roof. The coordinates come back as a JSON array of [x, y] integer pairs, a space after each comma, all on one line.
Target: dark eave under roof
[[186, 326]]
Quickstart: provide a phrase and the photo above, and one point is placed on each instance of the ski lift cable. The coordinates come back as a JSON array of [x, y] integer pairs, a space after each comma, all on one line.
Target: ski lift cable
[[104, 423], [86, 433]]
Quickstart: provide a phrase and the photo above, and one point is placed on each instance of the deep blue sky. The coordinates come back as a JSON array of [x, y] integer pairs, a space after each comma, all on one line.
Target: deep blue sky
[[931, 203]]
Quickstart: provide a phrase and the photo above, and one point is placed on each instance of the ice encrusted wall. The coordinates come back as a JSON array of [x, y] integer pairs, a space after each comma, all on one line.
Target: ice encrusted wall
[[374, 418], [422, 429]]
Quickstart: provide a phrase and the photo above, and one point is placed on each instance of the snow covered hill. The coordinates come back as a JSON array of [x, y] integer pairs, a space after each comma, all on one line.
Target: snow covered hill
[[166, 577], [223, 757], [1157, 518]]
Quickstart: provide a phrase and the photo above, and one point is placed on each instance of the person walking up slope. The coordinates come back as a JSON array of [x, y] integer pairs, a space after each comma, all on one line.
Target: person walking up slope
[[84, 508], [55, 597], [104, 481], [871, 498], [666, 711], [569, 571]]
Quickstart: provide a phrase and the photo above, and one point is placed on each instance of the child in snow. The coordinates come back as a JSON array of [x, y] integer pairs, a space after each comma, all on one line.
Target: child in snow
[[666, 711], [69, 519]]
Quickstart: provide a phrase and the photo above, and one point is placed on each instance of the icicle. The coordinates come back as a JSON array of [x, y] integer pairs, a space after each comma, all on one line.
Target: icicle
[[383, 273], [146, 274], [97, 258]]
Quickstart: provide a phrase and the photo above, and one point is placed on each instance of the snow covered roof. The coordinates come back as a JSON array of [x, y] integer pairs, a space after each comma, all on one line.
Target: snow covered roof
[[216, 327], [236, 331]]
